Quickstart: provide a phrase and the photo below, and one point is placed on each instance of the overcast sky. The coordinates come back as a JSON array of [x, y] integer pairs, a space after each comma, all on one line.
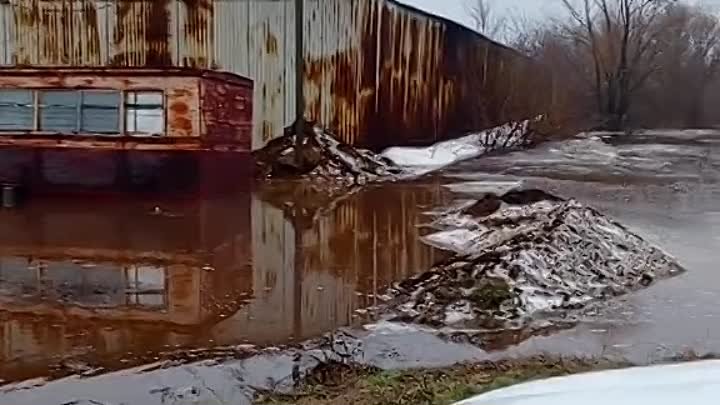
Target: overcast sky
[[457, 9]]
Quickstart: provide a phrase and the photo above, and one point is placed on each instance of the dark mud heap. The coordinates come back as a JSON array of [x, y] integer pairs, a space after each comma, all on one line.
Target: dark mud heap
[[523, 254], [322, 157]]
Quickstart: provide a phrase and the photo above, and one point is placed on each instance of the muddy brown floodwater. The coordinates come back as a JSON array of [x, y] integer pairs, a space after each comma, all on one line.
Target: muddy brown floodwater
[[127, 292], [111, 283]]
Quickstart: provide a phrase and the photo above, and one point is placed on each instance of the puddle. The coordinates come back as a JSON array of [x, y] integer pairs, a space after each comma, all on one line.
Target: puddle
[[113, 284]]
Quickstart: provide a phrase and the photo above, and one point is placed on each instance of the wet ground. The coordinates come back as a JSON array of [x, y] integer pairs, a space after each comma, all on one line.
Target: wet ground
[[665, 186], [90, 287]]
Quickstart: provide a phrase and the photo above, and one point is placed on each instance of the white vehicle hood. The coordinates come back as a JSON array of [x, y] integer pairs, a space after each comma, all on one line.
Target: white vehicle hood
[[695, 383]]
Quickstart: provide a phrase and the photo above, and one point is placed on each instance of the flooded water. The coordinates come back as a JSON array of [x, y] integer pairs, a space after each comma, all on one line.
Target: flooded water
[[90, 287], [666, 187], [112, 284]]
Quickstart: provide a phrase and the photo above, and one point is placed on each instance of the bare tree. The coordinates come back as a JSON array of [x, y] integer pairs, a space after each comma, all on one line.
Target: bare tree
[[695, 61], [486, 20], [689, 75], [619, 41]]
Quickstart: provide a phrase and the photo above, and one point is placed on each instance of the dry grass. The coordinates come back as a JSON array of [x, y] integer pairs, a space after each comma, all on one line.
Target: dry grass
[[363, 386]]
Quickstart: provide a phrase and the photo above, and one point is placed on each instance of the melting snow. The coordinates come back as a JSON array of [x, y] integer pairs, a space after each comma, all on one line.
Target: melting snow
[[541, 254], [696, 383], [423, 160]]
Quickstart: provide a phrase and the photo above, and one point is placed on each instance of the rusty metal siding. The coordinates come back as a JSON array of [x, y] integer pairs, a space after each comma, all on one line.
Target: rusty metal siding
[[53, 32], [226, 112], [196, 33], [142, 34], [7, 34], [381, 73], [148, 33], [377, 72], [255, 38], [333, 60]]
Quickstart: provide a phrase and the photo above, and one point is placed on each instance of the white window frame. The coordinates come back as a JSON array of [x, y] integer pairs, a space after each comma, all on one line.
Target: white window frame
[[123, 107], [127, 106]]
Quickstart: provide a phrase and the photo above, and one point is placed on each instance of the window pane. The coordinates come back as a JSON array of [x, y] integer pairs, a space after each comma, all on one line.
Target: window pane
[[150, 300], [144, 113], [59, 98], [146, 278], [154, 98], [101, 98], [146, 286], [145, 121], [16, 277], [9, 97], [101, 286], [99, 120], [16, 110], [100, 112], [59, 111]]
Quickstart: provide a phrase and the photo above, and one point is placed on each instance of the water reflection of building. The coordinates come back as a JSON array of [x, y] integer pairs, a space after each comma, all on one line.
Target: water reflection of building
[[126, 281], [122, 276], [309, 277], [163, 292]]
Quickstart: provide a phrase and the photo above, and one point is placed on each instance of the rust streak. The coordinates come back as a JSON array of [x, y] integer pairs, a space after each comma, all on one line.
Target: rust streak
[[410, 78], [179, 108], [198, 33], [271, 44]]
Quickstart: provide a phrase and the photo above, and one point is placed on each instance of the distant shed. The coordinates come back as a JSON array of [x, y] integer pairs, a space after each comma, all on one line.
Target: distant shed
[[377, 72]]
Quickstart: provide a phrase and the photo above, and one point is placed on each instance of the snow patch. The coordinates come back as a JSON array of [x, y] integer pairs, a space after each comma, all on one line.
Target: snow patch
[[527, 253], [696, 383], [484, 187], [442, 154]]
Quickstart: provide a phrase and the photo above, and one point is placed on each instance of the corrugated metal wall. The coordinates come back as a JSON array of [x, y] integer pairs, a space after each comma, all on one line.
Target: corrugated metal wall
[[377, 72]]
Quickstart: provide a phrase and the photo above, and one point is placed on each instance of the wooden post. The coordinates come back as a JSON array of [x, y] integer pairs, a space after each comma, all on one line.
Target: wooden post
[[299, 80]]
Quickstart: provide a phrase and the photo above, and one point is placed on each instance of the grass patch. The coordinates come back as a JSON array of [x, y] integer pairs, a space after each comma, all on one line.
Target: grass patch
[[429, 386]]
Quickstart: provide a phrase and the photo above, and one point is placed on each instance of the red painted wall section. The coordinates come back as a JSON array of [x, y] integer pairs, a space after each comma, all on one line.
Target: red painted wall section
[[227, 112]]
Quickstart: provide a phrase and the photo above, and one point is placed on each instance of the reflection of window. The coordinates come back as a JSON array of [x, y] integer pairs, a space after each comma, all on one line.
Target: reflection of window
[[16, 110], [144, 113], [145, 286], [59, 110], [100, 111]]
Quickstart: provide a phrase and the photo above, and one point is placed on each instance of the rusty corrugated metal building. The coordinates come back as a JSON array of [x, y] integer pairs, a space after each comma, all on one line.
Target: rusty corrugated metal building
[[377, 72]]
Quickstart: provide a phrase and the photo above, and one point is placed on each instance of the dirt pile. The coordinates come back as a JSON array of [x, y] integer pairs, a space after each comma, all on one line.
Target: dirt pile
[[322, 157], [523, 254]]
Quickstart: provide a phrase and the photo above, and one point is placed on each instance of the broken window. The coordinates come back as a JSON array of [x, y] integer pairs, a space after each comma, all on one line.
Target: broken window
[[144, 113], [16, 110], [100, 112], [59, 111]]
